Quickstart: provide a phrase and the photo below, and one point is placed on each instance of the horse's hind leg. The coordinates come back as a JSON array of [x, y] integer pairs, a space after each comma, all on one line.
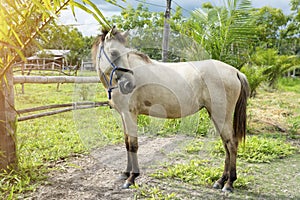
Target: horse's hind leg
[[131, 141], [225, 128], [219, 184], [232, 146], [229, 174]]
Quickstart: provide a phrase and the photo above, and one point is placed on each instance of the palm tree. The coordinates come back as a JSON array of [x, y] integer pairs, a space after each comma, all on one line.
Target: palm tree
[[224, 32]]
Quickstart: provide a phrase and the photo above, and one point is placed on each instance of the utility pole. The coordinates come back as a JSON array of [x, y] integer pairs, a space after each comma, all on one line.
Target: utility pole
[[166, 33]]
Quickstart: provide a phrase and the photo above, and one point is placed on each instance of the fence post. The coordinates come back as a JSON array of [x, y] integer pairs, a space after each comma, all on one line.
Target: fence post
[[7, 122]]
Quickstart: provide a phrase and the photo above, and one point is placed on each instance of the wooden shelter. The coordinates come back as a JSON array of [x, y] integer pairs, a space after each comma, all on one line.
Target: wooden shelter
[[47, 60]]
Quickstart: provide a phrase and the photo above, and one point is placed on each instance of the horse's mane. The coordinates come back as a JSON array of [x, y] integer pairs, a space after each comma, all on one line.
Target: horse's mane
[[143, 56], [119, 37]]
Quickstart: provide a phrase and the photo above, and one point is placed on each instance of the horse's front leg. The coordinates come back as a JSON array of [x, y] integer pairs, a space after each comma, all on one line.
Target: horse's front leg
[[131, 141]]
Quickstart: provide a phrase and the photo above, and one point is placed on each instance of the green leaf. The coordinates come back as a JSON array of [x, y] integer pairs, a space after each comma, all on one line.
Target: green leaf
[[84, 8]]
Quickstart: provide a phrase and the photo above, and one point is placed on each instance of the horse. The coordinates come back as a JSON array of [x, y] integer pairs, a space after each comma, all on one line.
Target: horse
[[137, 85]]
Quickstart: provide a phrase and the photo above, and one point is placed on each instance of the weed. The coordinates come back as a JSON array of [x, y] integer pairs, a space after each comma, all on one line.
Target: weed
[[289, 84], [152, 193], [259, 149], [200, 172], [46, 140], [194, 146]]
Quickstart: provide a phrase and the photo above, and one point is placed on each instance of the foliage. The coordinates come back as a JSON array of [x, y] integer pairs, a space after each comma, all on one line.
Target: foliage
[[152, 193], [194, 146], [290, 44], [289, 84], [269, 21], [141, 17], [23, 21], [259, 149], [226, 32], [41, 144], [198, 172], [274, 65], [67, 38], [255, 77], [15, 19], [147, 32]]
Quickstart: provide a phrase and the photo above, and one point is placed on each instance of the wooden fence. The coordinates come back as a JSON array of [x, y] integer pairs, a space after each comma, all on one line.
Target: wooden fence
[[8, 114], [55, 79], [67, 106]]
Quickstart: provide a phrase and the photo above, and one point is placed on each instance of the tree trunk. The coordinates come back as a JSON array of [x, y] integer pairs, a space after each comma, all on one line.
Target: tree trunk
[[7, 122]]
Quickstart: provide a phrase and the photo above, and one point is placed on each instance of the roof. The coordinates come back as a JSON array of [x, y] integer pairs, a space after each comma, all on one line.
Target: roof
[[55, 52]]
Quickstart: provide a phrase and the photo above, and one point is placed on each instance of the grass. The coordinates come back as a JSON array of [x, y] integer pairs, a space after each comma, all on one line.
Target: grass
[[43, 141], [259, 149], [268, 144], [194, 125], [201, 173], [289, 84], [152, 193]]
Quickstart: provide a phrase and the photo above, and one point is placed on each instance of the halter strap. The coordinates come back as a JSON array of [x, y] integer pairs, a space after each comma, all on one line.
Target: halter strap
[[108, 82]]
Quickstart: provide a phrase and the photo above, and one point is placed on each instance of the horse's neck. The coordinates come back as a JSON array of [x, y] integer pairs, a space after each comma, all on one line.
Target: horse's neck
[[136, 60]]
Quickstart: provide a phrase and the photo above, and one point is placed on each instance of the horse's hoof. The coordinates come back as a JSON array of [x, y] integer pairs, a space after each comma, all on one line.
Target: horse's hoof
[[126, 185], [217, 185], [124, 176], [227, 189]]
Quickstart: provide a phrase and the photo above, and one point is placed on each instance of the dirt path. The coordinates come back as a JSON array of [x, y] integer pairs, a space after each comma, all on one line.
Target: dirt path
[[95, 176]]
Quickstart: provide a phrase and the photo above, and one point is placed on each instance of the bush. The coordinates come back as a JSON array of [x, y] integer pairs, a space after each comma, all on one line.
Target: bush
[[255, 77]]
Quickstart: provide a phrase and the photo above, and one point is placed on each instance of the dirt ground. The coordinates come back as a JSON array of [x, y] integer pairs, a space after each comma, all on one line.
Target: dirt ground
[[95, 176]]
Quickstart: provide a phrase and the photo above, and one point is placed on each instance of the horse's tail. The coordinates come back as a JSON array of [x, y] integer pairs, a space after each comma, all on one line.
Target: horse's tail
[[240, 116]]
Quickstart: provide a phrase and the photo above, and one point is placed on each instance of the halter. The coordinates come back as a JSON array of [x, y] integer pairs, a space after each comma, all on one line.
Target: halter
[[108, 82]]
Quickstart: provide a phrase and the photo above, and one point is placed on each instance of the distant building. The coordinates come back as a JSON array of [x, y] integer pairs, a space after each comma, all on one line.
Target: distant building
[[47, 60], [87, 66]]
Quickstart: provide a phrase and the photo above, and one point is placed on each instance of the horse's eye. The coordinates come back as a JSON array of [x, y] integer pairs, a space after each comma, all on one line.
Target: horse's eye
[[115, 54]]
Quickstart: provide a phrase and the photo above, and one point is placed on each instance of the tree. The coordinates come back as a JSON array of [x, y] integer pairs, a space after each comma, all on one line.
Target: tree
[[273, 65], [21, 23], [227, 33], [65, 38], [148, 29], [15, 36], [290, 35], [269, 22]]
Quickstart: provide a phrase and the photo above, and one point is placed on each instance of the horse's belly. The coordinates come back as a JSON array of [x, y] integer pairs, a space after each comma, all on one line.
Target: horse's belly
[[166, 103]]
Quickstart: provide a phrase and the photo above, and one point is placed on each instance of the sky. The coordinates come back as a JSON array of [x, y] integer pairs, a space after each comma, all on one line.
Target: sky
[[89, 26]]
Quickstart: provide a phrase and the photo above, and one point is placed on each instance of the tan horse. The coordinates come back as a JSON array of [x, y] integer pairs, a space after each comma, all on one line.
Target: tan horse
[[137, 85]]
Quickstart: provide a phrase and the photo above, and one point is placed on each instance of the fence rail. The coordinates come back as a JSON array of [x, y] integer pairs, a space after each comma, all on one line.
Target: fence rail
[[69, 107], [55, 79]]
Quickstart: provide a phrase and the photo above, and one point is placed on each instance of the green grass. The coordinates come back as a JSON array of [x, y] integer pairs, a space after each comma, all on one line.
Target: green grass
[[194, 125], [41, 142], [152, 193], [259, 149], [201, 173], [289, 84]]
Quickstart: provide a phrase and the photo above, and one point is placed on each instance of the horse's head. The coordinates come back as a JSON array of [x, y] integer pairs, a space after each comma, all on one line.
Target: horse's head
[[110, 56]]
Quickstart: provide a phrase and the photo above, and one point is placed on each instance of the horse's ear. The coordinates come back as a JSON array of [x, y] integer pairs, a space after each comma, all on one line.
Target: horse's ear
[[126, 80], [110, 34], [125, 33], [114, 30]]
